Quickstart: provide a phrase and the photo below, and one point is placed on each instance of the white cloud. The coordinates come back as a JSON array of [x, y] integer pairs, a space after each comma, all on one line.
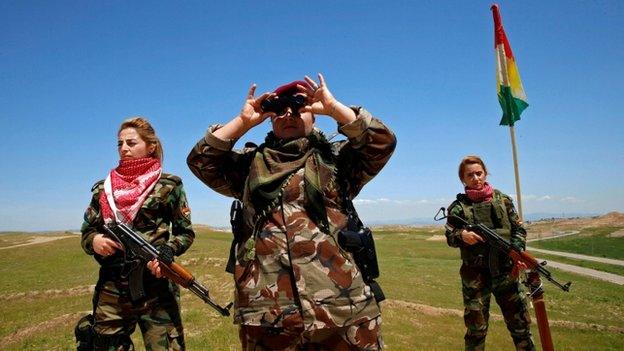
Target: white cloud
[[549, 198], [364, 202], [571, 200]]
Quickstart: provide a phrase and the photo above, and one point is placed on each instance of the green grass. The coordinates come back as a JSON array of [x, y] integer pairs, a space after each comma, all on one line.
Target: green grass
[[590, 241], [415, 272]]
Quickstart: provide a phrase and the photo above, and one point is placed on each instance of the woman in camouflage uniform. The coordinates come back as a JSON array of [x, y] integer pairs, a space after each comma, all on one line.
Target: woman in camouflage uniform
[[486, 271], [154, 204], [295, 287]]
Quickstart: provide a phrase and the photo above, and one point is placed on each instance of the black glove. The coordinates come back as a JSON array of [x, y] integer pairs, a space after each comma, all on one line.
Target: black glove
[[165, 254]]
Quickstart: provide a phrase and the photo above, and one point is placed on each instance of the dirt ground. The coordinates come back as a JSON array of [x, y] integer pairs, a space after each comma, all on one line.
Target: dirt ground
[[38, 240]]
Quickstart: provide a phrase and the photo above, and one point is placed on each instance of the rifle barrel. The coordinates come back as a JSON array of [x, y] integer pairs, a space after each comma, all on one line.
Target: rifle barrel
[[203, 294]]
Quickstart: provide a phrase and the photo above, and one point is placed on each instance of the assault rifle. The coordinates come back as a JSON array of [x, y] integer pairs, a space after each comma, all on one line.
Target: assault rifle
[[146, 252], [535, 270], [501, 244]]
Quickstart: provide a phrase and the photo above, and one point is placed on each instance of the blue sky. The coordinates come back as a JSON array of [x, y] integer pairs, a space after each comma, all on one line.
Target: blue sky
[[71, 71]]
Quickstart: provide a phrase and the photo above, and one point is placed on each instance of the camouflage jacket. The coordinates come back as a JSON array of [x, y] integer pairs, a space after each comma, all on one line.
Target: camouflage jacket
[[504, 220], [291, 274], [164, 218]]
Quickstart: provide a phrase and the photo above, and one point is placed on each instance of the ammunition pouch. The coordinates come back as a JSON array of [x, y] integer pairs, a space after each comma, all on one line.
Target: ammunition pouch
[[84, 333], [361, 245]]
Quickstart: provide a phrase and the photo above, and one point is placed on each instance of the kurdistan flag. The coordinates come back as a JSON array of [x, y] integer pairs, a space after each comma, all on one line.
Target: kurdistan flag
[[511, 95]]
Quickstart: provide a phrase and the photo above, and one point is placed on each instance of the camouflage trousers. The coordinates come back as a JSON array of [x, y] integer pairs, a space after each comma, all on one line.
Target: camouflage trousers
[[158, 317], [477, 287], [365, 336]]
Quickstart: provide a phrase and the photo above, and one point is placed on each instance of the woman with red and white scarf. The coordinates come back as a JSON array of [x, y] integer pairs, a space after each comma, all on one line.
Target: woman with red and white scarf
[[153, 203], [486, 271]]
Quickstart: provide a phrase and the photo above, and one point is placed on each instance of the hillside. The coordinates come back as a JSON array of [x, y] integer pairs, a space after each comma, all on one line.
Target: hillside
[[556, 226]]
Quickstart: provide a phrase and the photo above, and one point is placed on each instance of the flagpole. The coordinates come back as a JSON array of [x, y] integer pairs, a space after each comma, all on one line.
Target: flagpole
[[503, 77], [516, 171]]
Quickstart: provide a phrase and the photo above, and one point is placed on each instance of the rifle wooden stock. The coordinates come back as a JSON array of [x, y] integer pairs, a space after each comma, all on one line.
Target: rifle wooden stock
[[528, 260], [177, 273]]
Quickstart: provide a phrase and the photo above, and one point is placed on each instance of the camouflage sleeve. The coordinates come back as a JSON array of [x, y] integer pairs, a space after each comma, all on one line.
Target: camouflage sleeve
[[370, 145], [182, 234], [224, 170], [518, 233], [91, 222], [453, 234]]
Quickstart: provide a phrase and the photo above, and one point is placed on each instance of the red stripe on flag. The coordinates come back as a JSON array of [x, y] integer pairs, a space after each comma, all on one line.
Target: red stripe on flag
[[499, 32]]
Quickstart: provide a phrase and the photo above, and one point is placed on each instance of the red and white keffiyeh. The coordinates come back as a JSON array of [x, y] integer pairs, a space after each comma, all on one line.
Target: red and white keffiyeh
[[127, 187], [486, 193]]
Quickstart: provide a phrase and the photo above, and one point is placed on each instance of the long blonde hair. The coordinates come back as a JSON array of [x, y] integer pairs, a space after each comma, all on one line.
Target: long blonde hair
[[146, 132]]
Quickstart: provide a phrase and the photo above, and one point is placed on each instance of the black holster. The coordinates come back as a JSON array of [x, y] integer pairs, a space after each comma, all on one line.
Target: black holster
[[237, 223], [358, 240], [362, 246]]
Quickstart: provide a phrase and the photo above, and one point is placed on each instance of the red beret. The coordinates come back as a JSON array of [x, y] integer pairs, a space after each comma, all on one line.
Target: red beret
[[291, 87]]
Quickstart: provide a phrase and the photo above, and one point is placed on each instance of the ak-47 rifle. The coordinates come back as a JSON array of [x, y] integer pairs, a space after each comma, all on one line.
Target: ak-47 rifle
[[535, 270], [145, 251]]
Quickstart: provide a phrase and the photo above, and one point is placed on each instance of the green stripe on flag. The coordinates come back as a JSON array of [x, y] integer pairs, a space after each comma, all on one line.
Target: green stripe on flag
[[512, 106]]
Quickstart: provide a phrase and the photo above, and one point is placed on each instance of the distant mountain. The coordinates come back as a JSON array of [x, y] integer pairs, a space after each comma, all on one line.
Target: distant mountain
[[406, 221], [547, 215]]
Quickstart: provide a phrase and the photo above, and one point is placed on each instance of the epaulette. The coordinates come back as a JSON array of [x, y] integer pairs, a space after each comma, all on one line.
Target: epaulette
[[461, 197], [166, 177], [98, 184], [504, 196], [454, 204]]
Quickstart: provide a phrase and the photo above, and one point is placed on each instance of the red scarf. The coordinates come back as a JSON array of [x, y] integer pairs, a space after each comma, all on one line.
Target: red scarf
[[479, 195], [130, 184]]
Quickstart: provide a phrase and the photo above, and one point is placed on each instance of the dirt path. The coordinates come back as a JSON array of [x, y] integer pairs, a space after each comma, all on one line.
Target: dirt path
[[610, 277], [75, 291], [439, 311], [555, 235], [579, 256], [39, 240], [62, 321]]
